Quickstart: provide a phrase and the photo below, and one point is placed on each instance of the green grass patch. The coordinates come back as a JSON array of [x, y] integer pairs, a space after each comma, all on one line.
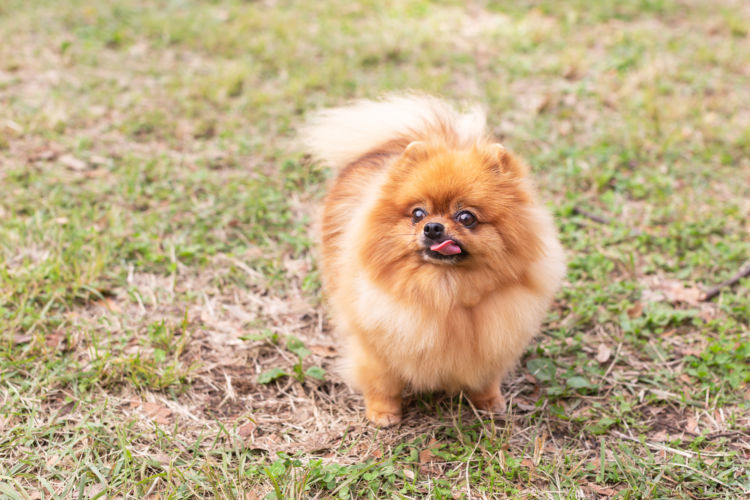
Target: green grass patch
[[162, 330]]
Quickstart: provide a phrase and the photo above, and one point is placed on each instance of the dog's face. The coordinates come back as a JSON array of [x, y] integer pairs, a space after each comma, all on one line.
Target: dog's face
[[462, 209]]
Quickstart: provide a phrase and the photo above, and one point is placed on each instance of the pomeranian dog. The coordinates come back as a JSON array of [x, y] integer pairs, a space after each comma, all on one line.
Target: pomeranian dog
[[437, 259]]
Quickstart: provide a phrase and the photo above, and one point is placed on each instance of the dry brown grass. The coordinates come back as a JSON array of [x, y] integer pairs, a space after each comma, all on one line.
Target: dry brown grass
[[154, 216]]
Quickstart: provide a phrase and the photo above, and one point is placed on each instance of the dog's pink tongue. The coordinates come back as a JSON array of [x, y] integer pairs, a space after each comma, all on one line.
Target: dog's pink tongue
[[447, 247]]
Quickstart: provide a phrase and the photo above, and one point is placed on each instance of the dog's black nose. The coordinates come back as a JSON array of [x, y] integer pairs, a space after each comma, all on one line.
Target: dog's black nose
[[433, 230]]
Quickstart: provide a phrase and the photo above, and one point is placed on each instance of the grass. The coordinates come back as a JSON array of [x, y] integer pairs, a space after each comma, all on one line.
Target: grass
[[162, 332]]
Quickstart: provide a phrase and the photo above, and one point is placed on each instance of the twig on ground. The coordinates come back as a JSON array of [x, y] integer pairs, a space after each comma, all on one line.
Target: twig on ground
[[600, 219], [713, 292], [657, 446], [710, 436], [594, 217], [468, 461], [614, 360], [716, 435], [710, 478]]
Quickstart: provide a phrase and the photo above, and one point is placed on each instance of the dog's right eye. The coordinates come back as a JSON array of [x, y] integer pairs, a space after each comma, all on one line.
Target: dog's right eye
[[417, 215]]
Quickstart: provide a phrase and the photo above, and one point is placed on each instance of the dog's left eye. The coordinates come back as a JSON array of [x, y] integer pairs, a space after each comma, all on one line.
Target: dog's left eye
[[466, 218], [417, 215]]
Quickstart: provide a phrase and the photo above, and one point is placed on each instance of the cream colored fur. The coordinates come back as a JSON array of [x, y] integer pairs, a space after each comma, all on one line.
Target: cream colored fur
[[466, 330], [341, 135]]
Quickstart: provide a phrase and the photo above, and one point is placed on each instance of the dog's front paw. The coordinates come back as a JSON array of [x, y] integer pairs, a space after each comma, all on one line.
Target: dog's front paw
[[383, 418], [494, 403], [489, 399], [383, 411]]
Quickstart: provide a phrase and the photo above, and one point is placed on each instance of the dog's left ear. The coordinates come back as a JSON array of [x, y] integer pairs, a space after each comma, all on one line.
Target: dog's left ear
[[498, 153], [505, 162], [415, 151]]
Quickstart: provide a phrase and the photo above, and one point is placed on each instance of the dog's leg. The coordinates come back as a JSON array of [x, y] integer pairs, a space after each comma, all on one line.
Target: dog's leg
[[382, 391], [489, 398]]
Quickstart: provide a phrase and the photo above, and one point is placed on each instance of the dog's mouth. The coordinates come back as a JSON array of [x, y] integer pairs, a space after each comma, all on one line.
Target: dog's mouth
[[446, 250]]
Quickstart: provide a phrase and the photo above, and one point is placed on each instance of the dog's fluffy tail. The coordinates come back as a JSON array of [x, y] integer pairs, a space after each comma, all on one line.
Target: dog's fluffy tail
[[340, 136]]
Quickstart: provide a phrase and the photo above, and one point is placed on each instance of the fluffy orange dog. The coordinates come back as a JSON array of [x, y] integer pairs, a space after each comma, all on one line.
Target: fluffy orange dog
[[438, 260]]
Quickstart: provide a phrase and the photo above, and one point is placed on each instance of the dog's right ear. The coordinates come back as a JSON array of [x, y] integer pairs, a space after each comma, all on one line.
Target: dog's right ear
[[415, 151], [505, 162]]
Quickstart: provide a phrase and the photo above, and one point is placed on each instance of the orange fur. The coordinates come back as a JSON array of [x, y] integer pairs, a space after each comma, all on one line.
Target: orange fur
[[408, 319]]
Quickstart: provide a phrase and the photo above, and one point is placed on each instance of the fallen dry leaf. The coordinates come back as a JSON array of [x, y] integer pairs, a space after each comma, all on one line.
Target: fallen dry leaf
[[98, 160], [65, 409], [691, 351], [22, 339], [601, 490], [660, 436], [536, 103], [603, 353], [325, 351], [426, 455], [160, 457], [93, 490], [539, 448], [636, 311], [571, 73], [564, 128], [655, 410], [270, 443], [673, 291], [99, 172], [109, 305], [297, 306], [53, 340], [524, 405], [692, 425], [159, 413], [12, 127], [719, 415], [299, 268], [707, 313], [685, 378], [72, 162], [53, 460], [246, 430], [45, 154]]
